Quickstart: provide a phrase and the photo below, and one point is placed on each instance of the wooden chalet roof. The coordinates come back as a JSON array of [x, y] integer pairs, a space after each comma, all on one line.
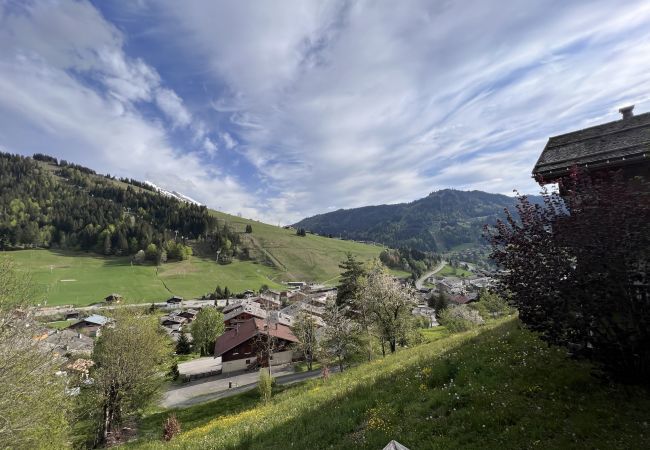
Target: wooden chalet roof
[[248, 330], [611, 144]]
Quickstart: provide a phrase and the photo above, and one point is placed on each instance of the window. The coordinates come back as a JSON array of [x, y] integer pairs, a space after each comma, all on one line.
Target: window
[[248, 361]]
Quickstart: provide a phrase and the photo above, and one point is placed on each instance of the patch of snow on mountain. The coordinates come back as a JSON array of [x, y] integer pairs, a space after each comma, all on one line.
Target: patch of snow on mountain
[[173, 194]]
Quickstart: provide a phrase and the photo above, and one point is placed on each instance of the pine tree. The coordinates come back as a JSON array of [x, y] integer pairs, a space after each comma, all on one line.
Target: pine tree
[[183, 346], [349, 285]]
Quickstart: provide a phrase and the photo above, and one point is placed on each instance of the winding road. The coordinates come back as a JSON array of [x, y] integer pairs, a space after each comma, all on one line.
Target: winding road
[[420, 281]]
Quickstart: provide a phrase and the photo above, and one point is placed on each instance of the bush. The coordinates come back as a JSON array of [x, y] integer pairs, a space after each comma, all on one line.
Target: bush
[[459, 318], [171, 427], [576, 267], [139, 257], [491, 305], [265, 385]]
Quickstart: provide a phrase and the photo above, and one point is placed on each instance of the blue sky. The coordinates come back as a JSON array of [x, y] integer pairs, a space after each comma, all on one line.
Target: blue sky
[[280, 110]]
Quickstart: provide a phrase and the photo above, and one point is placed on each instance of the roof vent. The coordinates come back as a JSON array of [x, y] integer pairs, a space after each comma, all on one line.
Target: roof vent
[[626, 111]]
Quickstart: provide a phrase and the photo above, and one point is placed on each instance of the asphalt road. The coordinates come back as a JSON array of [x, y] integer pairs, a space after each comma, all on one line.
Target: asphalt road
[[420, 281], [205, 390]]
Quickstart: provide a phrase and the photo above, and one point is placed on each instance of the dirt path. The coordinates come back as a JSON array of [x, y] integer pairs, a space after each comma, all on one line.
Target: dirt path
[[163, 282]]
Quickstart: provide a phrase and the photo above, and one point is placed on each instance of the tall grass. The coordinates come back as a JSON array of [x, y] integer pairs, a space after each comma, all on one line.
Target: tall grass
[[495, 387]]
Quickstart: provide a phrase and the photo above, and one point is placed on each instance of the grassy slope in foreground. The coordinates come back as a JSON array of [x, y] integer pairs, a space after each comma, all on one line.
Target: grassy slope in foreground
[[302, 258], [498, 387], [67, 278]]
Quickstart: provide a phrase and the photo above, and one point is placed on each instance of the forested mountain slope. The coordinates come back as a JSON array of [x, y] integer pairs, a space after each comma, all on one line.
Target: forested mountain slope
[[48, 203], [82, 216], [441, 221]]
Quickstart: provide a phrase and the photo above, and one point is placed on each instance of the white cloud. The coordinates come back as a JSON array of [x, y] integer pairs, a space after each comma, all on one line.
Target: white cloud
[[366, 103], [228, 140], [47, 108], [348, 103], [172, 105], [209, 146]]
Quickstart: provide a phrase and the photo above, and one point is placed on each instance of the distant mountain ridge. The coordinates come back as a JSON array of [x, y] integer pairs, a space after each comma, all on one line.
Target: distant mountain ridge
[[441, 221]]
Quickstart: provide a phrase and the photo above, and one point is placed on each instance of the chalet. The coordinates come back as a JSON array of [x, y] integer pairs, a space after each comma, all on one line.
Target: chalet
[[71, 315], [189, 314], [296, 308], [296, 284], [463, 299], [267, 302], [68, 342], [622, 144], [242, 312], [113, 298], [240, 346], [172, 319], [91, 325], [175, 300], [426, 312]]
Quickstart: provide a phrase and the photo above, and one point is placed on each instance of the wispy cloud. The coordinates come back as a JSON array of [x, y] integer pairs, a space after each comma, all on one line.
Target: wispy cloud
[[345, 102]]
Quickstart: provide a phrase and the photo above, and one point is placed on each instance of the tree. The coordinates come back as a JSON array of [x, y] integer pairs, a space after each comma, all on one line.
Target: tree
[[131, 358], [206, 328], [576, 268], [390, 303], [249, 228], [349, 284], [304, 328], [151, 252], [438, 302], [139, 257], [33, 404], [183, 346], [161, 257], [301, 232], [341, 341], [107, 244], [492, 305]]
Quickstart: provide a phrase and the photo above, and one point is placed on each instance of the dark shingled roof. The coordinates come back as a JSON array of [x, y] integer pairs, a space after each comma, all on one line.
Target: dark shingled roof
[[248, 330], [609, 145]]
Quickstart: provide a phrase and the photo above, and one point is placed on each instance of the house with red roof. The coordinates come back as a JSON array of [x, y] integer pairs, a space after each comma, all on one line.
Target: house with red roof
[[242, 345]]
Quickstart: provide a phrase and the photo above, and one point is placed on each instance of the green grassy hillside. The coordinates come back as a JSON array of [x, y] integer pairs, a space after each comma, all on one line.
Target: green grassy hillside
[[496, 387], [75, 278], [310, 257], [79, 278]]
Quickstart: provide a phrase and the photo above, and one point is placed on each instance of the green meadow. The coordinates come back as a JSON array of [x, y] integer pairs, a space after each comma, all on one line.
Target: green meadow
[[302, 258], [74, 278], [497, 387]]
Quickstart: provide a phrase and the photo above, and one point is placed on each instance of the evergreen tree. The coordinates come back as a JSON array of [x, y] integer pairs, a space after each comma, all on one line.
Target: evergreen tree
[[107, 244], [183, 346], [349, 284]]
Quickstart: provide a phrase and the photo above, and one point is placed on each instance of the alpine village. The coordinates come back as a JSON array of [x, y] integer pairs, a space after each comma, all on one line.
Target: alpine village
[[148, 315]]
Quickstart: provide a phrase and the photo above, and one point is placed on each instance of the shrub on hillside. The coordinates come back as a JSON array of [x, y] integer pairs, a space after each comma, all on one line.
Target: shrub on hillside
[[576, 268], [171, 427], [265, 385], [491, 305], [139, 257], [457, 318]]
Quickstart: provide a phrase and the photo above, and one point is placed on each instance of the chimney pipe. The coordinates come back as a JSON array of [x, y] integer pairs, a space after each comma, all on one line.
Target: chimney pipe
[[626, 111]]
